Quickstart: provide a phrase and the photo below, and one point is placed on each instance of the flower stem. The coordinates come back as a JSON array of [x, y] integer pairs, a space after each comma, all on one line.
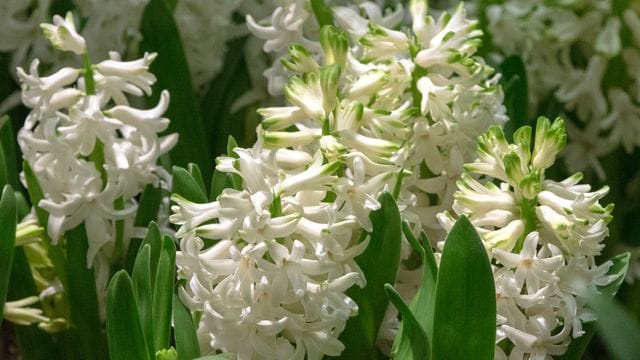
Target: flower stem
[[89, 81]]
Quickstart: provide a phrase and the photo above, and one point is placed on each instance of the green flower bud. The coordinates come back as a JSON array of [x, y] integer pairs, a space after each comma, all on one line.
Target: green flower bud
[[550, 139], [335, 45], [301, 61], [329, 82], [531, 184]]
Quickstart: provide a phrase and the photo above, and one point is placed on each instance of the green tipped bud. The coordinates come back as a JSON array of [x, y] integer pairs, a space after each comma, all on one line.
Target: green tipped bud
[[522, 137], [335, 45], [550, 139], [283, 139], [349, 115], [167, 354], [306, 94], [522, 141], [329, 82], [331, 148], [301, 61], [514, 167], [531, 184], [493, 142]]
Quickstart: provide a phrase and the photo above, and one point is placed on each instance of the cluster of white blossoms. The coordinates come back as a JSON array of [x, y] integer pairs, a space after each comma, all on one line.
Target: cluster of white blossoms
[[273, 283], [542, 236], [91, 152], [584, 55], [267, 264], [293, 21]]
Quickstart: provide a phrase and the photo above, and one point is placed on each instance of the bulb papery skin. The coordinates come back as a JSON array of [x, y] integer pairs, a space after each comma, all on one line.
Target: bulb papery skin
[[360, 111], [542, 236], [91, 152]]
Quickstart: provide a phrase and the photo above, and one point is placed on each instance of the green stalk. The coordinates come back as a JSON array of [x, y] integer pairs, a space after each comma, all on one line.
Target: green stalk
[[89, 82]]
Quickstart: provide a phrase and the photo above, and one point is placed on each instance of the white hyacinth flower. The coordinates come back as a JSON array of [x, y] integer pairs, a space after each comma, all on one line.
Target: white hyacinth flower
[[91, 152], [383, 98], [543, 235], [62, 34]]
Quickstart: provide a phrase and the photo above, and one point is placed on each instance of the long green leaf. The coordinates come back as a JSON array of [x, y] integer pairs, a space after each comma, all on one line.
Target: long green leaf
[[186, 186], [153, 238], [147, 212], [414, 335], [8, 221], [124, 333], [617, 326], [160, 35], [379, 262], [83, 298], [578, 346], [196, 175], [149, 204], [465, 306], [184, 331], [163, 294], [422, 305], [141, 278], [9, 164]]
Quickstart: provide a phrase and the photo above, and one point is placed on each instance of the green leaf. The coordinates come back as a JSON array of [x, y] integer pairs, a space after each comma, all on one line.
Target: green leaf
[[414, 336], [143, 291], [232, 144], [617, 326], [8, 220], [219, 182], [578, 346], [379, 262], [423, 304], [153, 238], [160, 35], [516, 93], [322, 12], [196, 175], [85, 315], [163, 294], [465, 304], [8, 165], [149, 204], [186, 186], [124, 333], [147, 212], [184, 331], [35, 194]]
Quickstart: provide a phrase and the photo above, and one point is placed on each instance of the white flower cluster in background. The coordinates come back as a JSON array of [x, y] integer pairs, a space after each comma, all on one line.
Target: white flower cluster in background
[[91, 152], [542, 236], [293, 21], [570, 49], [205, 28], [110, 26], [408, 102]]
